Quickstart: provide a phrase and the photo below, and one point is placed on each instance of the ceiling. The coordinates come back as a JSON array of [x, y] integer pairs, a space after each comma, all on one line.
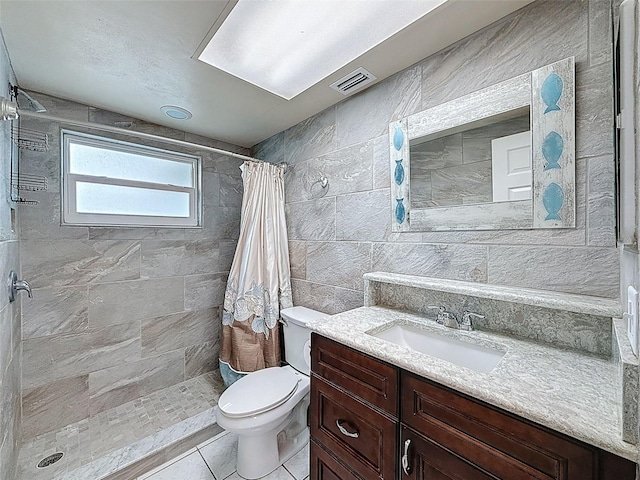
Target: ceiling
[[132, 57]]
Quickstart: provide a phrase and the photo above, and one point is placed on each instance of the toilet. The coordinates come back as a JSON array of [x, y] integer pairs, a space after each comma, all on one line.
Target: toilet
[[267, 409]]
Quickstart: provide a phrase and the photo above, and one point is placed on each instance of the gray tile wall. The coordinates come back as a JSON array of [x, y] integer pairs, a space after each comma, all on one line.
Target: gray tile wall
[[119, 312], [346, 229], [10, 328]]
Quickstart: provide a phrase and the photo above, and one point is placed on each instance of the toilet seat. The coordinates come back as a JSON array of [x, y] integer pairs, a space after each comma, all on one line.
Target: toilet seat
[[256, 393]]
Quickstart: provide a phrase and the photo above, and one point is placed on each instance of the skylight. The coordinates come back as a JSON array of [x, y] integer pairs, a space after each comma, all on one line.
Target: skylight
[[287, 46]]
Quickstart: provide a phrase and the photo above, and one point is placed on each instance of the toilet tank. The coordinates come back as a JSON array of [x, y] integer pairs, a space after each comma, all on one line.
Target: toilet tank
[[297, 335]]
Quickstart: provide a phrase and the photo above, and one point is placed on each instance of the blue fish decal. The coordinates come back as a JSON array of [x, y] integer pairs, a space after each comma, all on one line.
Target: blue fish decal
[[399, 172], [553, 199], [398, 138], [551, 92], [400, 210], [552, 148]]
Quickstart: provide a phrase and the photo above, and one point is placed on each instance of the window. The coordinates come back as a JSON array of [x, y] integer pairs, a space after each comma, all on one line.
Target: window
[[109, 182]]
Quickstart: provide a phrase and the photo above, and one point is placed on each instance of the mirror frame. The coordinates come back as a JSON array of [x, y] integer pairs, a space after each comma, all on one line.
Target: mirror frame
[[549, 92]]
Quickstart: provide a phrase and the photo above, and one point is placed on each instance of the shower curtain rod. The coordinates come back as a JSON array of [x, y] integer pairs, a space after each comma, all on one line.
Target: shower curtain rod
[[150, 136]]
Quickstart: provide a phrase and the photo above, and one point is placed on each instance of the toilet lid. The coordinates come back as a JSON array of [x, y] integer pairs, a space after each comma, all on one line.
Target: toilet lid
[[257, 392]]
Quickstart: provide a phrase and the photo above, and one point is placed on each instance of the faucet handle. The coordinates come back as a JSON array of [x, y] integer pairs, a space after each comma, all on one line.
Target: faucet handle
[[442, 313], [467, 323], [15, 285]]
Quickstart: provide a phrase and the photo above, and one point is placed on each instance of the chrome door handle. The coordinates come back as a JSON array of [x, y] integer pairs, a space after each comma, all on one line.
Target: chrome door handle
[[346, 432], [406, 465]]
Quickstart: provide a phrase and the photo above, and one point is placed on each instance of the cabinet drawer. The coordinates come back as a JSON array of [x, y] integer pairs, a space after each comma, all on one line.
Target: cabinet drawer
[[437, 411], [360, 436], [366, 377], [325, 467]]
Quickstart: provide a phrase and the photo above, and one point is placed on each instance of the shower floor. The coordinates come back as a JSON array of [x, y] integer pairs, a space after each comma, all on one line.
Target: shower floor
[[117, 439]]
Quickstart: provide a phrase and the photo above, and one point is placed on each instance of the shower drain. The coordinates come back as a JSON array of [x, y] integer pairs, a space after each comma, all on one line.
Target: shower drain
[[50, 460]]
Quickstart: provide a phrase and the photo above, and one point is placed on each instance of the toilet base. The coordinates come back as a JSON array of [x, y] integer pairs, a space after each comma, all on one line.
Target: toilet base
[[259, 455], [257, 459]]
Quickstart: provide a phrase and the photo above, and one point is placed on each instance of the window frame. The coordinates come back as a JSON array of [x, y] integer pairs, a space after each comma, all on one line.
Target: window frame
[[68, 181]]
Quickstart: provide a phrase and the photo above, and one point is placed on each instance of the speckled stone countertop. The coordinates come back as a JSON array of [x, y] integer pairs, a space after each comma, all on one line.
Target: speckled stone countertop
[[566, 391]]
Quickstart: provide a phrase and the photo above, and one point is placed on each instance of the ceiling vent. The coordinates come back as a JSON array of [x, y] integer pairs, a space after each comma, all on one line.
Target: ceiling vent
[[356, 80]]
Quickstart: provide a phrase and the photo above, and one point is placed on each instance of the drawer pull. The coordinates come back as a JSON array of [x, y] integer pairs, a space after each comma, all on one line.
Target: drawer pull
[[346, 432], [406, 463]]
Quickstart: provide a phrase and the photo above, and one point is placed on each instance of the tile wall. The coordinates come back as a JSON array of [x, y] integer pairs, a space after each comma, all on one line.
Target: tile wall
[[338, 234], [119, 312], [10, 329]]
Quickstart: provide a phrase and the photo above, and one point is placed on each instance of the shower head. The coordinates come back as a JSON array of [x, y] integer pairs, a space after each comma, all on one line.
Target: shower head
[[32, 103]]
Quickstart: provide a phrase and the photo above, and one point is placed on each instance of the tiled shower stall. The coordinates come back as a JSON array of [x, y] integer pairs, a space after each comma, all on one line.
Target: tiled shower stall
[[118, 312]]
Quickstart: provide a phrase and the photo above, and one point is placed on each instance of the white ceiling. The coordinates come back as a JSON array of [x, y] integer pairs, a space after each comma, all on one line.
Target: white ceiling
[[133, 57]]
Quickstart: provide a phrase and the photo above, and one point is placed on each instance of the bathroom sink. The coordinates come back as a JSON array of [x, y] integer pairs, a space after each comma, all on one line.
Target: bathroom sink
[[475, 357]]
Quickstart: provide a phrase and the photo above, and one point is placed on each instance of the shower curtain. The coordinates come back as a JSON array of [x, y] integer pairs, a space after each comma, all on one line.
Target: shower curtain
[[259, 283]]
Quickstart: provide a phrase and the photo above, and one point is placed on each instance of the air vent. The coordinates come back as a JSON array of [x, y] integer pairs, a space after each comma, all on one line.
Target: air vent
[[353, 82]]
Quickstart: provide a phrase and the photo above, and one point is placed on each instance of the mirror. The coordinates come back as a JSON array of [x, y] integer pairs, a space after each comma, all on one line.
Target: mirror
[[499, 158], [481, 164]]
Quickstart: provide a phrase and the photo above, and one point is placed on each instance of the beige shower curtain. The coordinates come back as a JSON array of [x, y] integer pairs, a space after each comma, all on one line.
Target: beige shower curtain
[[259, 282]]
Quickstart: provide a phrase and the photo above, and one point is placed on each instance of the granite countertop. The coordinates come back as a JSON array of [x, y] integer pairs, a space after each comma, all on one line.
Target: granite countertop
[[569, 392]]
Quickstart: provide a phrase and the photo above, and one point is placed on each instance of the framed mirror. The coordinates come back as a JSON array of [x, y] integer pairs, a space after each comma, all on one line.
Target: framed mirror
[[499, 158]]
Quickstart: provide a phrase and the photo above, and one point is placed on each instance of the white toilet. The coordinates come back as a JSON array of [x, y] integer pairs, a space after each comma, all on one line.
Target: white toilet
[[268, 408]]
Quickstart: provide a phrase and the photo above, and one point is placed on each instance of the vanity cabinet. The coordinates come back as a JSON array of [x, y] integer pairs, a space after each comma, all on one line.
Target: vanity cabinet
[[354, 403], [371, 420]]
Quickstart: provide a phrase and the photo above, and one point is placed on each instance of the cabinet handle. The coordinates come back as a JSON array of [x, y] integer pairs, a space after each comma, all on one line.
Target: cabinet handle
[[346, 432], [406, 466]]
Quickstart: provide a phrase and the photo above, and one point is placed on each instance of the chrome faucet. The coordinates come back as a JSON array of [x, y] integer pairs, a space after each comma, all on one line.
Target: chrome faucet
[[467, 323], [445, 318], [16, 285], [449, 319]]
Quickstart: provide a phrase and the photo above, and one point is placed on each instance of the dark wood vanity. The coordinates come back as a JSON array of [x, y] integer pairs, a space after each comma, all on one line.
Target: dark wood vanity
[[371, 420]]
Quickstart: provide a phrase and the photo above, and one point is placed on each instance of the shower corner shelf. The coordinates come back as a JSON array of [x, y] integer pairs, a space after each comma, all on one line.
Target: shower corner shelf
[[24, 201], [29, 182], [27, 139]]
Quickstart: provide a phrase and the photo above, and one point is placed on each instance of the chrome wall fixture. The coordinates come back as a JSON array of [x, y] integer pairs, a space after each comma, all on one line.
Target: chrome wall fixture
[[8, 109], [323, 181], [14, 286]]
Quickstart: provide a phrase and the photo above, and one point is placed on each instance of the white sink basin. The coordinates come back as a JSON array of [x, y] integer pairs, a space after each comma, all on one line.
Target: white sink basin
[[475, 357]]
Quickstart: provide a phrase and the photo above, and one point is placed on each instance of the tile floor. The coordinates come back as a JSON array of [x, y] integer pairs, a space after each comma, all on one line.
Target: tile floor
[[215, 459]]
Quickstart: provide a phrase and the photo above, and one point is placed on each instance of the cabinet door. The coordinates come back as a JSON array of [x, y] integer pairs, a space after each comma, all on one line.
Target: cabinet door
[[497, 440], [325, 467], [426, 459], [355, 433]]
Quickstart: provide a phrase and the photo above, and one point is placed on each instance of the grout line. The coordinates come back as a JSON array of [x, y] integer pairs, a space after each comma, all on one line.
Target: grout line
[[205, 463], [288, 471]]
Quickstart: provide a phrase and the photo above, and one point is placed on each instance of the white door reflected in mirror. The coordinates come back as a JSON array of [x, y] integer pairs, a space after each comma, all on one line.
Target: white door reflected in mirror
[[511, 167]]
